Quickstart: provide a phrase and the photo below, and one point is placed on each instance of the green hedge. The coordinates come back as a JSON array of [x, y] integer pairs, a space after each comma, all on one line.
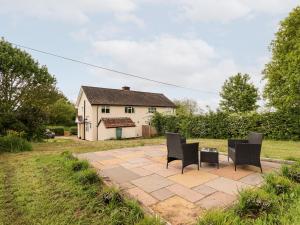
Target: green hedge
[[73, 130], [14, 144], [59, 131], [274, 125]]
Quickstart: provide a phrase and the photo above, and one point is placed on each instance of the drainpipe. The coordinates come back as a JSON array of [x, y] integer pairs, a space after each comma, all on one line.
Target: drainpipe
[[84, 120], [97, 121]]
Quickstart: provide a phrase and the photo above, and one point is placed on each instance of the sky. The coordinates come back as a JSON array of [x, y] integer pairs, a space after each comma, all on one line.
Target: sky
[[192, 43]]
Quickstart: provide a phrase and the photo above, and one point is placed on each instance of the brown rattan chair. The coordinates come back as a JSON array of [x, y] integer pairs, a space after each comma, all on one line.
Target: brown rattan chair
[[246, 152], [178, 149]]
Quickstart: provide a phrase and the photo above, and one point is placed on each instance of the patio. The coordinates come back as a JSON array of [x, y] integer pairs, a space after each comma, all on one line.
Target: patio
[[141, 172]]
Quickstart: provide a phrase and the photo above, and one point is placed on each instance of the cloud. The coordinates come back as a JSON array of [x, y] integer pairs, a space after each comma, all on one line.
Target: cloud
[[228, 10], [75, 11], [185, 62]]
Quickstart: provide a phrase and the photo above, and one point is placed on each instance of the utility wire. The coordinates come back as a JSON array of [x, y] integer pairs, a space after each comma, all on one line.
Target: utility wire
[[111, 70]]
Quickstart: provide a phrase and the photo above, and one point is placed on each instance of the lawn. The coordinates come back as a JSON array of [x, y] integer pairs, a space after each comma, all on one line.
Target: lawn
[[36, 188]]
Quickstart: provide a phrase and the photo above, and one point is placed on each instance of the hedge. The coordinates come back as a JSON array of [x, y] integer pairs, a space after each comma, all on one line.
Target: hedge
[[274, 125], [73, 130], [11, 143], [59, 131]]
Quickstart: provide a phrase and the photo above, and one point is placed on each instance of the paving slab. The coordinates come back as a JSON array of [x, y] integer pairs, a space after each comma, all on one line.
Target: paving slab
[[142, 196], [162, 194], [253, 179], [140, 171], [168, 172], [227, 185], [204, 189], [216, 200], [192, 178], [186, 193], [120, 174], [230, 173], [152, 182], [154, 167]]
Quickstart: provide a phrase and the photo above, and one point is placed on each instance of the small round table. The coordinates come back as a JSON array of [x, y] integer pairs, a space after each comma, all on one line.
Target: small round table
[[209, 155]]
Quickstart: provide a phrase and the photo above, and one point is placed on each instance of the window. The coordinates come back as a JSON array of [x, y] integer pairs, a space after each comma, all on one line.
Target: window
[[129, 109], [151, 110], [105, 109]]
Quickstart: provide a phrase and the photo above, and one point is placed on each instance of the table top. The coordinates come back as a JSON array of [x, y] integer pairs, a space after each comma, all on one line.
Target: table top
[[209, 150]]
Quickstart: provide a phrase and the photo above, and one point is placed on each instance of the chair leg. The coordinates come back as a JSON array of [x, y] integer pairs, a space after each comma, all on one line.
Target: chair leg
[[182, 170], [234, 167], [228, 157], [167, 164], [261, 169], [198, 166]]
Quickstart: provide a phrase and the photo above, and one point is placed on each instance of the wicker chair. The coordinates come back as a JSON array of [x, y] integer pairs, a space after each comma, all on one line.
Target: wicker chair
[[178, 149], [246, 152]]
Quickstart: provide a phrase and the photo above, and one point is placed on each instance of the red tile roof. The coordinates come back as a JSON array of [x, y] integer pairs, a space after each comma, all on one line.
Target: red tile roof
[[118, 122]]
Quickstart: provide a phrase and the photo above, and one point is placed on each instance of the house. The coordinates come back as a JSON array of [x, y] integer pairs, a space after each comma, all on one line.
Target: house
[[104, 113]]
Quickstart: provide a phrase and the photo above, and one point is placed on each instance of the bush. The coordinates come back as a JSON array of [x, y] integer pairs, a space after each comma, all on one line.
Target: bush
[[73, 130], [274, 125], [151, 221], [87, 176], [59, 131], [112, 196], [12, 143], [79, 165], [292, 172], [278, 184], [255, 202]]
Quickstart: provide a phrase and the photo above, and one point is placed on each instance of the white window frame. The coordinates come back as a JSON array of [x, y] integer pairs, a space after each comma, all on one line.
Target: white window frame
[[151, 109], [129, 109], [105, 108]]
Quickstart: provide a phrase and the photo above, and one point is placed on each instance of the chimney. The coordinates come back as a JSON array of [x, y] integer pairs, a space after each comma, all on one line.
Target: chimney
[[126, 88]]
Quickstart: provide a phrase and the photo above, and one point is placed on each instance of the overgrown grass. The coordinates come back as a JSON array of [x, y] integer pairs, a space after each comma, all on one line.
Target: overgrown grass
[[277, 202], [45, 189]]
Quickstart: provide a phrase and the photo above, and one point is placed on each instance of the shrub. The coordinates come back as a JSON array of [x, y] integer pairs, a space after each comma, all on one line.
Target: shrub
[[112, 196], [73, 130], [278, 184], [87, 176], [59, 131], [153, 220], [68, 155], [292, 172], [255, 202], [12, 143], [79, 165]]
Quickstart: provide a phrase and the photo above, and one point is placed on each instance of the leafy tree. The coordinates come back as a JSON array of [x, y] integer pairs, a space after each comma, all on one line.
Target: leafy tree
[[282, 73], [62, 112], [25, 87], [238, 95], [186, 107]]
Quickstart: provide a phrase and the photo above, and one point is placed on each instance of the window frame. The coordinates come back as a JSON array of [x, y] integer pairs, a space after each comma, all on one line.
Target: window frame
[[129, 109], [151, 109], [105, 109]]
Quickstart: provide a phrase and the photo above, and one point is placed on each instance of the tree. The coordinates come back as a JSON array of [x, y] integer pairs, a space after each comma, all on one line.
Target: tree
[[186, 107], [238, 95], [62, 112], [282, 73], [25, 87]]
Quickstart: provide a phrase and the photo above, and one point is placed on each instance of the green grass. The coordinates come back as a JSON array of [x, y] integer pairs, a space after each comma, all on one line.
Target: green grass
[[37, 188]]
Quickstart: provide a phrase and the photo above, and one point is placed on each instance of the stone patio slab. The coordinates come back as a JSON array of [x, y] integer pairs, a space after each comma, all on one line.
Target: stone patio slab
[[154, 167], [142, 196], [252, 179], [227, 185], [140, 171], [162, 194], [186, 193], [216, 200], [204, 189], [192, 178], [152, 182], [111, 161], [120, 174], [230, 173]]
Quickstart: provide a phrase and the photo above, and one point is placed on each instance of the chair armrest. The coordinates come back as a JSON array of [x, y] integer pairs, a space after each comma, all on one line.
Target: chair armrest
[[190, 150], [183, 140], [233, 142]]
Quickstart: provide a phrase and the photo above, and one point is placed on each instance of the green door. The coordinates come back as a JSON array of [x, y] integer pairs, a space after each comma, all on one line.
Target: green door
[[119, 133]]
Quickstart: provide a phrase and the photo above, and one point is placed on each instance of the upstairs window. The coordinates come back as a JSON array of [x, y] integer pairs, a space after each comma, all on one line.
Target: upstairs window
[[151, 110], [105, 109], [129, 109]]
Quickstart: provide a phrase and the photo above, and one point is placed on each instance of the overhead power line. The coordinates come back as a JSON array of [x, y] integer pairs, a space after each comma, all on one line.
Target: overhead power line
[[111, 70]]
